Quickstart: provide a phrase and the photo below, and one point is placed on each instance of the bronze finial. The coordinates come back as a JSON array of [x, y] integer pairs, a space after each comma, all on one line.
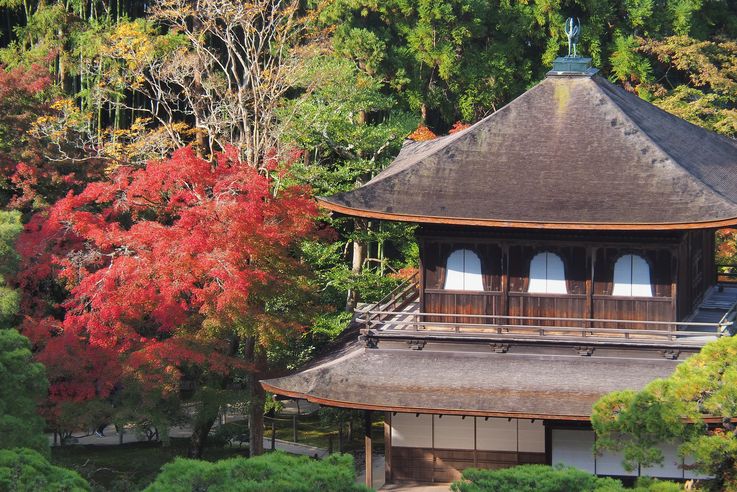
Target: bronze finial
[[573, 31]]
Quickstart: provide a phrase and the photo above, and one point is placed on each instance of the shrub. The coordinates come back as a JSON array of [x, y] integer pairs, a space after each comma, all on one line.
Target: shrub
[[543, 478], [223, 434], [26, 470], [275, 472]]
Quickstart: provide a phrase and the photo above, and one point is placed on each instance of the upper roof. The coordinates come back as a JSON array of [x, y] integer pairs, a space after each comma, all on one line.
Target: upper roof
[[573, 152]]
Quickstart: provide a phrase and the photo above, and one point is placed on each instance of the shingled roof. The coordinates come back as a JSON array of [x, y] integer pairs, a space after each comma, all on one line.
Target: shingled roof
[[486, 384], [573, 152]]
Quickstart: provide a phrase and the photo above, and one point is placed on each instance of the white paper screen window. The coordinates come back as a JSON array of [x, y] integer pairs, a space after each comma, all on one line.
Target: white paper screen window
[[463, 271], [547, 274], [632, 277]]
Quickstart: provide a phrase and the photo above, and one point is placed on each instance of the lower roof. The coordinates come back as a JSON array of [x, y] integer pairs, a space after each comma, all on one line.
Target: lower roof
[[484, 384]]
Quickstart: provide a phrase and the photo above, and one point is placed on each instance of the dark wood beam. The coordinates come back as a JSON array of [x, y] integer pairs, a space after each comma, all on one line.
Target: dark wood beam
[[369, 448], [388, 478]]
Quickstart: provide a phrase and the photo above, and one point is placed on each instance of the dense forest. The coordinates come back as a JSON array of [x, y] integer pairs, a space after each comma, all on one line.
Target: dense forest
[[159, 239]]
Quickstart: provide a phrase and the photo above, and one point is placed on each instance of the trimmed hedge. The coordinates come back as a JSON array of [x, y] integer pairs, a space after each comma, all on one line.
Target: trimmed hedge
[[275, 472], [543, 478]]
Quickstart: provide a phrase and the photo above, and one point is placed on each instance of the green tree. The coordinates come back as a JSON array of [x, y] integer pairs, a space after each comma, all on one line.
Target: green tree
[[25, 470], [350, 126], [22, 384], [275, 472], [695, 407], [22, 381], [699, 81], [10, 227], [543, 478], [453, 58]]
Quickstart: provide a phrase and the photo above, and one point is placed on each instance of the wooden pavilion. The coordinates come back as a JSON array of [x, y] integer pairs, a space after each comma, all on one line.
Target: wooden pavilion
[[566, 251]]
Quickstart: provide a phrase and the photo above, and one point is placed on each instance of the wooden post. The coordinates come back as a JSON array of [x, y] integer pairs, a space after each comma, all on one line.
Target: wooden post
[[340, 432], [273, 433], [591, 264], [369, 448], [294, 428], [505, 284], [388, 447]]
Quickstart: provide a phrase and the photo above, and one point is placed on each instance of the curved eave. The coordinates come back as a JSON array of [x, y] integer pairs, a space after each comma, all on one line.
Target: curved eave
[[372, 214], [435, 411]]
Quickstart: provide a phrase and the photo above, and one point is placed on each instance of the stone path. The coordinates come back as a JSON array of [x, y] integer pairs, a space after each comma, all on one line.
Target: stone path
[[111, 438]]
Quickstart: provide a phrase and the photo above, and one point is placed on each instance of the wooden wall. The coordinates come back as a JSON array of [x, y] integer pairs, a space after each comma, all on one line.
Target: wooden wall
[[431, 448], [681, 270], [696, 271]]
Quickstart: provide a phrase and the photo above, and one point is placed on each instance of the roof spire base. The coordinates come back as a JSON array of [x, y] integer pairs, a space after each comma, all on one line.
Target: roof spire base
[[572, 66]]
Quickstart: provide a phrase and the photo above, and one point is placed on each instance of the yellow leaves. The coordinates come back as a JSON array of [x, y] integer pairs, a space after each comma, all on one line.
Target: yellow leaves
[[131, 43], [66, 117], [142, 141]]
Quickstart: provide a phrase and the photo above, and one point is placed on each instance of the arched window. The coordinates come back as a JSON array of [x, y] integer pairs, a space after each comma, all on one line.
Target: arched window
[[632, 277], [463, 271], [547, 275]]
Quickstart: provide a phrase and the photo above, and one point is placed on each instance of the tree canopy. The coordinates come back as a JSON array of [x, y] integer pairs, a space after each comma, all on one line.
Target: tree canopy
[[277, 472], [695, 408], [25, 470], [22, 385]]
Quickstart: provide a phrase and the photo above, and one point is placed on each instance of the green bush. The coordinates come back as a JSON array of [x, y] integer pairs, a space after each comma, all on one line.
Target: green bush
[[543, 478], [275, 472], [223, 434], [25, 470], [22, 383]]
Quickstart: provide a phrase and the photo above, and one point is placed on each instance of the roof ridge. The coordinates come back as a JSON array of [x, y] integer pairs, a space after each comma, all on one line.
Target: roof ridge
[[650, 139]]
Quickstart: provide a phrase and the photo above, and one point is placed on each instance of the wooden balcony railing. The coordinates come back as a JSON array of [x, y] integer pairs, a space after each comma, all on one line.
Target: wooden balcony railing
[[398, 322], [402, 295], [396, 314]]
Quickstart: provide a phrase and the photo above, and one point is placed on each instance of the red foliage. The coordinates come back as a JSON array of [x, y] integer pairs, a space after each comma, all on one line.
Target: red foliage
[[458, 126], [21, 102], [160, 264], [30, 180], [422, 134], [726, 241]]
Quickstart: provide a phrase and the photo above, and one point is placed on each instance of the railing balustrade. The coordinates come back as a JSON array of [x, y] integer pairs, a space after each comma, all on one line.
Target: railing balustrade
[[402, 321], [388, 316]]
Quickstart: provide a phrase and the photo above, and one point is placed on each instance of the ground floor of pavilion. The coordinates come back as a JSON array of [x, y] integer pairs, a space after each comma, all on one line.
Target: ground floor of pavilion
[[437, 448]]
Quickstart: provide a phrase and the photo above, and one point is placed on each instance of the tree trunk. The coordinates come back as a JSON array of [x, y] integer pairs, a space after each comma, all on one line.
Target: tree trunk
[[198, 440], [359, 256], [256, 416], [257, 396]]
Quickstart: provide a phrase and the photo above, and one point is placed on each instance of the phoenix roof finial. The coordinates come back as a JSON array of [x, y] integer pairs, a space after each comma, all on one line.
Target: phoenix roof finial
[[573, 31]]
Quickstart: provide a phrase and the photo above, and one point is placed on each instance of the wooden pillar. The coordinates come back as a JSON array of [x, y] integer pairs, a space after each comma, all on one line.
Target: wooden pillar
[[369, 448], [421, 278], [388, 448], [273, 433], [675, 265], [475, 444], [591, 264], [505, 283]]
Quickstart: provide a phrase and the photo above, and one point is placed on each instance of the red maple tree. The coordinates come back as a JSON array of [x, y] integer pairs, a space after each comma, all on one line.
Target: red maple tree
[[30, 179], [182, 264]]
